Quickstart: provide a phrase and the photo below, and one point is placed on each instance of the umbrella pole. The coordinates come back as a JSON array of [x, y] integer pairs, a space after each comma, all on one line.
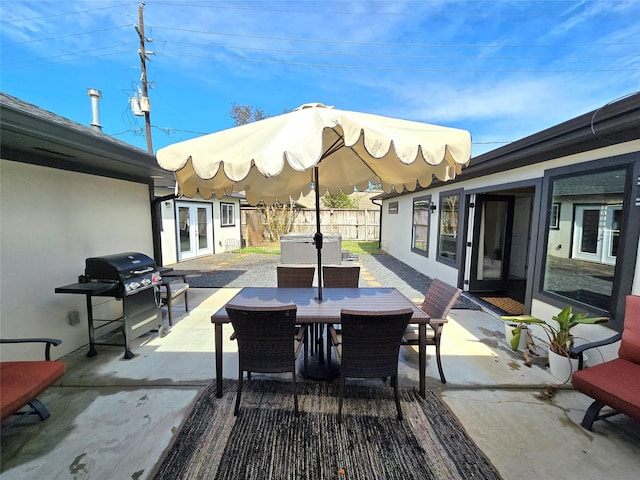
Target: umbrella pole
[[318, 236]]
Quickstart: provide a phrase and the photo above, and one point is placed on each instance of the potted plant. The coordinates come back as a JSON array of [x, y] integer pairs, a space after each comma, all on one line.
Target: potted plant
[[559, 334]]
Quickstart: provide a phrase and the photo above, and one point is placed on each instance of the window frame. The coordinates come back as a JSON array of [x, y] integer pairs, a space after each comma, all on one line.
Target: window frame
[[231, 217], [458, 227], [628, 248], [424, 199], [554, 216]]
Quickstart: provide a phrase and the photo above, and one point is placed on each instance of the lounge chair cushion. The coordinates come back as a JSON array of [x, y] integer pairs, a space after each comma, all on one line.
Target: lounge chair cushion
[[22, 382], [630, 344], [609, 383]]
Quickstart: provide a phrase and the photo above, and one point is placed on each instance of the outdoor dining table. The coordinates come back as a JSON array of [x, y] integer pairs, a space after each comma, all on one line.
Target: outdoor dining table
[[310, 310]]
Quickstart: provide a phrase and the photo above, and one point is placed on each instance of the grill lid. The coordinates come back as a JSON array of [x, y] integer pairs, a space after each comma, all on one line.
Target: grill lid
[[119, 266]]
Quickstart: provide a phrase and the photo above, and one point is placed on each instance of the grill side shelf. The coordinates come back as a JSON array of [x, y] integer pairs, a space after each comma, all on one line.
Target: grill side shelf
[[90, 288]]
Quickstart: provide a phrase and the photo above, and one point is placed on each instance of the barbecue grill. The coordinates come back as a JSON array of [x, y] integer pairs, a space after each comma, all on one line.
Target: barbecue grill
[[130, 272], [130, 277]]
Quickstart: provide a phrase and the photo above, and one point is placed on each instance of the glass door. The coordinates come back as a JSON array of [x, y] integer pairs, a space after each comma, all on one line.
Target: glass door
[[491, 246], [195, 230], [597, 232]]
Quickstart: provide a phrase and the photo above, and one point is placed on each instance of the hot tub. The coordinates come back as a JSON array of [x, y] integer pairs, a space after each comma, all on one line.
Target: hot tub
[[296, 248]]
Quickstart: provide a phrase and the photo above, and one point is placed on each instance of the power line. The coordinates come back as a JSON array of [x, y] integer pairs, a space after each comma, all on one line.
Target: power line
[[378, 55], [399, 68], [75, 53], [342, 12], [389, 44], [35, 40], [64, 14]]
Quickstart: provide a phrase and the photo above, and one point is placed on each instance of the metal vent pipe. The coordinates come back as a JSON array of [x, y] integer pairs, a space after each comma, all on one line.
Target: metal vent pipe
[[95, 95]]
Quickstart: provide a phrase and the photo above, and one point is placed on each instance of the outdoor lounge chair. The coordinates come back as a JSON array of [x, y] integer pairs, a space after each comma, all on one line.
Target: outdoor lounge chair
[[437, 303], [615, 383], [369, 347], [22, 381], [340, 277], [267, 342], [295, 277]]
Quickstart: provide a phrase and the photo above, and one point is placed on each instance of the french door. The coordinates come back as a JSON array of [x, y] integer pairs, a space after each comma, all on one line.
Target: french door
[[596, 233], [195, 230], [491, 246]]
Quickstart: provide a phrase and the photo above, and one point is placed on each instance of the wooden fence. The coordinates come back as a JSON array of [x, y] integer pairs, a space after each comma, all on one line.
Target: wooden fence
[[356, 225]]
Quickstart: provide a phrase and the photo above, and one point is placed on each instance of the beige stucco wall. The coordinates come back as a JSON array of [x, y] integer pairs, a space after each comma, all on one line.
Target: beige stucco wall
[[51, 220], [168, 237]]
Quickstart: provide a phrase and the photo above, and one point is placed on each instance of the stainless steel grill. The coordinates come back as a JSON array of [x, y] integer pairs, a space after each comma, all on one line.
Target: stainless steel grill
[[134, 277]]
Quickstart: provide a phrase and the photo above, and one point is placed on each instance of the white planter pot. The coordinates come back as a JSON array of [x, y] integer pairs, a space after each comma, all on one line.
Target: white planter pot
[[562, 367], [508, 335]]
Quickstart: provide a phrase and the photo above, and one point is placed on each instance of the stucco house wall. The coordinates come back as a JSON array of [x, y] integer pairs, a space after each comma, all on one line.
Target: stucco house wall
[[52, 220], [67, 192]]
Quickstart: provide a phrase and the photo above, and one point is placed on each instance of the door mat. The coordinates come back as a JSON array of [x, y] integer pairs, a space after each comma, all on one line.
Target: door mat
[[507, 305]]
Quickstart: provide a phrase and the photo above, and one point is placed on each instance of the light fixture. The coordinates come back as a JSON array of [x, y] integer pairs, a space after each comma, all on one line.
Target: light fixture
[[433, 207]]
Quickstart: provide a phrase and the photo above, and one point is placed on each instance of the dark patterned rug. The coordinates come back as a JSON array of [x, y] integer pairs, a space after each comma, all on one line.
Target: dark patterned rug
[[266, 440]]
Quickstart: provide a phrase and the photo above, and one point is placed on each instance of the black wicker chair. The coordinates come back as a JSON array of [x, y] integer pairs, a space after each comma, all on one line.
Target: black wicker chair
[[295, 277], [267, 342], [438, 301], [340, 277], [369, 347]]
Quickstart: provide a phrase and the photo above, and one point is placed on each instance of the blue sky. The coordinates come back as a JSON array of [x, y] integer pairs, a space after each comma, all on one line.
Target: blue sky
[[500, 69]]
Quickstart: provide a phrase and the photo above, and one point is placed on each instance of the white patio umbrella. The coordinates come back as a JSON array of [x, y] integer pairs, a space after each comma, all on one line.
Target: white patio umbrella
[[315, 146]]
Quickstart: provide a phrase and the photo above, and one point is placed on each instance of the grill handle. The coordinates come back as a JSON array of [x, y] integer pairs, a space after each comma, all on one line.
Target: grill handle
[[140, 272]]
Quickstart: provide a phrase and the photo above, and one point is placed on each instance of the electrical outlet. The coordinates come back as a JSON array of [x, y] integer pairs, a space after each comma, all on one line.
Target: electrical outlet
[[73, 317]]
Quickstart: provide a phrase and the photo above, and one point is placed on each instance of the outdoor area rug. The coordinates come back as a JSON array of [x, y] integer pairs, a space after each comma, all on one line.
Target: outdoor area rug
[[267, 441]]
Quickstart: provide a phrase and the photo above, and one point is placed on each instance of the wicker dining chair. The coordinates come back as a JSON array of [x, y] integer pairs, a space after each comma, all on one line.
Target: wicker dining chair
[[438, 301], [368, 347], [268, 342], [340, 277], [295, 277]]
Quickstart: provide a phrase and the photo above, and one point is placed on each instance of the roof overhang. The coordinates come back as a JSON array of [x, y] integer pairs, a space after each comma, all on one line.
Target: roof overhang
[[32, 135]]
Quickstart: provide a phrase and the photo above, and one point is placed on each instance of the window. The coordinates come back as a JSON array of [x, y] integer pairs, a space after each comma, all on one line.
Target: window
[[227, 214], [585, 227], [554, 221], [393, 208], [448, 226], [421, 222]]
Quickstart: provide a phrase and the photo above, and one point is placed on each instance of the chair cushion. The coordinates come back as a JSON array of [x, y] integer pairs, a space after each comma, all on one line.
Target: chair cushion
[[610, 383], [630, 345], [176, 289], [24, 381], [411, 336]]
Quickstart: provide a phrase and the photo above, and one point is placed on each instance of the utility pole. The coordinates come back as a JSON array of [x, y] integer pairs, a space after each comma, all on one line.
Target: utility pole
[[143, 52]]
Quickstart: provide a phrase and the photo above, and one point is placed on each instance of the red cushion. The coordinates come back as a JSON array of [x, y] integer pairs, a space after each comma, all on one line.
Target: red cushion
[[22, 382], [630, 345], [613, 383]]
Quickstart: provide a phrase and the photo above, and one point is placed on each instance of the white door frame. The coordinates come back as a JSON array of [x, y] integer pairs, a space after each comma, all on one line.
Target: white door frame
[[605, 233], [194, 232]]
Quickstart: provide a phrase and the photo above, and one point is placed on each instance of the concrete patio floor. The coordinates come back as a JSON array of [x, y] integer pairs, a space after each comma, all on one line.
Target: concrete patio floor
[[113, 418]]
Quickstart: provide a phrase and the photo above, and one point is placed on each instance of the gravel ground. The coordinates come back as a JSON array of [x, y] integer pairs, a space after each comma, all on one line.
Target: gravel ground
[[259, 270]]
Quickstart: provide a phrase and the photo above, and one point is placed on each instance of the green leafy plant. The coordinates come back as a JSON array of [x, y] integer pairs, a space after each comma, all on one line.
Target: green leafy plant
[[558, 332]]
